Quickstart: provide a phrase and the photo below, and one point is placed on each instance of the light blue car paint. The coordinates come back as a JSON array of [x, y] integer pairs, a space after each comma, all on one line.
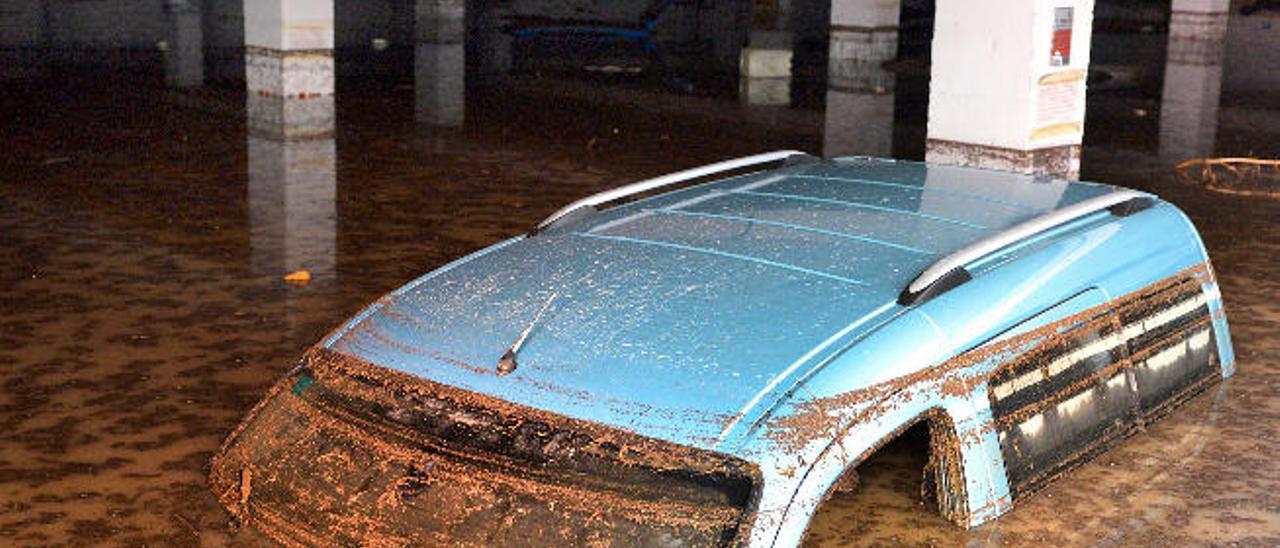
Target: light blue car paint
[[708, 315]]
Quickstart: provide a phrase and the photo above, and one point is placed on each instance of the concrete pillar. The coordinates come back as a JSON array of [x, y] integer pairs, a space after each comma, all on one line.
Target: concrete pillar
[[765, 67], [289, 68], [727, 25], [224, 39], [1007, 88], [1252, 57], [489, 43], [292, 211], [23, 36], [440, 63], [860, 104], [1193, 78], [184, 54]]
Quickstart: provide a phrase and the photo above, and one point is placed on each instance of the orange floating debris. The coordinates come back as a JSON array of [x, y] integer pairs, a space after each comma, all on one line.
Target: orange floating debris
[[301, 277]]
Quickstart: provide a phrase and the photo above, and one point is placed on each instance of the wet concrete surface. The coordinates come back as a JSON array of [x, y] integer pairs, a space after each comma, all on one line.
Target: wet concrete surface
[[137, 325]]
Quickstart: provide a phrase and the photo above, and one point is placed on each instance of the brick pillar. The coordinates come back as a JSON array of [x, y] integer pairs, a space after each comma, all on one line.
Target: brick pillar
[[859, 116], [1193, 78], [289, 68], [1008, 84]]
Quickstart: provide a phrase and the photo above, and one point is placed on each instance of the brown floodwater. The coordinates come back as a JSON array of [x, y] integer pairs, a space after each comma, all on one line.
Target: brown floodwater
[[142, 310]]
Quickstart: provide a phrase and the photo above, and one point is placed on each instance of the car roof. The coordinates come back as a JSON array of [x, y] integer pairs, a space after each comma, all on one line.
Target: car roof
[[869, 222], [676, 315]]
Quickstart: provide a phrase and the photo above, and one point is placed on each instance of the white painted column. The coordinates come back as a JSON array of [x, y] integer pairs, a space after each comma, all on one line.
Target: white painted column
[[859, 115], [184, 53], [1008, 84], [292, 211], [765, 66], [439, 63], [1193, 78], [289, 68]]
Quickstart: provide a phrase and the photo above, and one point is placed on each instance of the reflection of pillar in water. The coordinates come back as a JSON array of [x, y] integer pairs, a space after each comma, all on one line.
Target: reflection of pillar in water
[[858, 123], [949, 193], [439, 63], [440, 94], [1192, 79], [184, 56], [943, 184], [292, 212], [860, 103]]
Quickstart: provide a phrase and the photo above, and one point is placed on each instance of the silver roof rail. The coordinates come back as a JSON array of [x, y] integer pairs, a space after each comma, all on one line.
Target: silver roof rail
[[670, 179], [949, 271]]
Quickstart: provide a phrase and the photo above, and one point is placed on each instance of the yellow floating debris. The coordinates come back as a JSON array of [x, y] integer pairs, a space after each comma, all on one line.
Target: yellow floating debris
[[1244, 176], [301, 277]]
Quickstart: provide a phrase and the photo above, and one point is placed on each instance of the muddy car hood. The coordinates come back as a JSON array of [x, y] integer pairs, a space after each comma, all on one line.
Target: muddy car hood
[[674, 317], [673, 350]]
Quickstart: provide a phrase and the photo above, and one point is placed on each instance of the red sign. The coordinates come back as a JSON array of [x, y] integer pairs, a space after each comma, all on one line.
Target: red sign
[[1060, 52]]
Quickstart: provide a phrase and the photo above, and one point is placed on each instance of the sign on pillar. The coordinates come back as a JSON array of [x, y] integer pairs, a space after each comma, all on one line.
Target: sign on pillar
[[1008, 84], [1060, 89], [1060, 49]]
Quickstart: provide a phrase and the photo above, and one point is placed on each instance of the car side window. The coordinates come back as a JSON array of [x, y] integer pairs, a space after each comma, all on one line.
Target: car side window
[[1068, 390], [1171, 342], [1102, 369]]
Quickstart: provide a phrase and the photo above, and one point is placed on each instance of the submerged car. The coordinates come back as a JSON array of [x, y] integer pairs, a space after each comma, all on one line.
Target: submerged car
[[705, 365]]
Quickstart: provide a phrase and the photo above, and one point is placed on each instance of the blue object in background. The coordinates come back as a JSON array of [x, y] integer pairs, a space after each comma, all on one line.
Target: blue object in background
[[591, 34]]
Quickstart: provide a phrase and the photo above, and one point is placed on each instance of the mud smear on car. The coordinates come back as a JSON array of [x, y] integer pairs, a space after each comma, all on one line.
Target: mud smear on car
[[1147, 481], [822, 419], [375, 331], [347, 450]]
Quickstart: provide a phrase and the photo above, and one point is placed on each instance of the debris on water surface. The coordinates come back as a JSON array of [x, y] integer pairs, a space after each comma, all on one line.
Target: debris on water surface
[[1244, 176], [298, 278]]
